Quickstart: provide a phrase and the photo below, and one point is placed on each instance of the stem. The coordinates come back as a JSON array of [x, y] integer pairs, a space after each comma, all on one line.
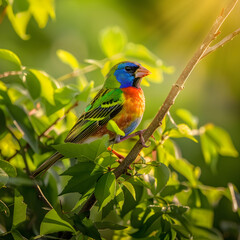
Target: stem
[[220, 44], [169, 101], [11, 73], [23, 154]]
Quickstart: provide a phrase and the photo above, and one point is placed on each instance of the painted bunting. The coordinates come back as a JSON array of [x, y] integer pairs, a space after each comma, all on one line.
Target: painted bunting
[[121, 99]]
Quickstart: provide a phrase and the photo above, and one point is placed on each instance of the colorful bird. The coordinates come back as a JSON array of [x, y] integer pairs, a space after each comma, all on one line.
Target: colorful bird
[[121, 99]]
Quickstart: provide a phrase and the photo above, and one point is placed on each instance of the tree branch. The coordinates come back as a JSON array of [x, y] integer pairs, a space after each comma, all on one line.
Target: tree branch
[[220, 44], [169, 101], [11, 73]]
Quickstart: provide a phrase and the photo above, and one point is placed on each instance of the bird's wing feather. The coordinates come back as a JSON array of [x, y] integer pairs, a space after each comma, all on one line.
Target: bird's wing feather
[[106, 104]]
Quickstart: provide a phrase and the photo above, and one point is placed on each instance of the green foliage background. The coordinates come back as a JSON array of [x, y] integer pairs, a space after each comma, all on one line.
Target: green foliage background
[[44, 36]]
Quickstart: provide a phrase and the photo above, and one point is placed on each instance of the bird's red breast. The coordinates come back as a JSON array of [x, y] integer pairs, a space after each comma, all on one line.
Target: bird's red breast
[[133, 109]]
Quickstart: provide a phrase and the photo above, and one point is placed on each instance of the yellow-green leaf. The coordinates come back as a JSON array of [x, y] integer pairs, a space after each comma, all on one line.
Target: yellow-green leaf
[[112, 126], [130, 188], [52, 223], [67, 58], [10, 56], [113, 40]]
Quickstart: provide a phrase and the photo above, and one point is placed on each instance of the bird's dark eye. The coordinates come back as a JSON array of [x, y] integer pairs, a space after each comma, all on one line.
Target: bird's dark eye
[[129, 69]]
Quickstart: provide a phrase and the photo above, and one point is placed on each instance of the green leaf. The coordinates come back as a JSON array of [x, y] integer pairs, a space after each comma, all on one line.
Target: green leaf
[[84, 94], [120, 196], [161, 175], [24, 125], [113, 40], [105, 189], [129, 202], [190, 172], [8, 168], [46, 84], [33, 84], [109, 225], [52, 223], [84, 177], [64, 95], [41, 10], [153, 223], [201, 217], [214, 141], [4, 208], [209, 150], [3, 178], [88, 150], [17, 235], [68, 58], [222, 140], [113, 127], [187, 117], [20, 209], [12, 57], [19, 21], [171, 190], [182, 131], [130, 188], [86, 226]]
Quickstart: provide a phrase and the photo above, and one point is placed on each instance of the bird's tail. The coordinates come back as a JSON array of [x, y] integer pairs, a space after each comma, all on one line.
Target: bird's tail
[[47, 164]]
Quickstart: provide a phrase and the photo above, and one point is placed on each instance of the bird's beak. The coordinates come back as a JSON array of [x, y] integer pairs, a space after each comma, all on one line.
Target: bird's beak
[[142, 72]]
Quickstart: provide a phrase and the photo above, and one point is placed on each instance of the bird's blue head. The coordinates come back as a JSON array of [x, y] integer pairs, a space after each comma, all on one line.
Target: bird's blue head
[[127, 74]]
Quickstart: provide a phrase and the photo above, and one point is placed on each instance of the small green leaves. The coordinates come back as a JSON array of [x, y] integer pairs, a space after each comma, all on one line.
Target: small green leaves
[[88, 150], [161, 175], [52, 223], [130, 188], [84, 177], [105, 189], [215, 141], [67, 58], [20, 208], [185, 168], [25, 126], [112, 126], [8, 168], [86, 226], [11, 57], [20, 12], [113, 41], [187, 117], [182, 131]]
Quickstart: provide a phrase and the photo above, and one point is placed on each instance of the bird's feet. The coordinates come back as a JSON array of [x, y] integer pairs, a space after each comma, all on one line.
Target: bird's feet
[[138, 133]]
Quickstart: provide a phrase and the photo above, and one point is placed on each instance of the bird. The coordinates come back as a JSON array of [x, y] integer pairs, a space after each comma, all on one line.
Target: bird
[[121, 99]]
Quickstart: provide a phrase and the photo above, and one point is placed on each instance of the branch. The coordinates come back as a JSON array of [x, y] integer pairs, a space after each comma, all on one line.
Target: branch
[[220, 44], [169, 101], [11, 73]]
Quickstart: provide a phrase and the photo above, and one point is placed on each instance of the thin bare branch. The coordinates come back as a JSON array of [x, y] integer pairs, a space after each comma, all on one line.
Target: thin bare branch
[[169, 101], [220, 44], [11, 73]]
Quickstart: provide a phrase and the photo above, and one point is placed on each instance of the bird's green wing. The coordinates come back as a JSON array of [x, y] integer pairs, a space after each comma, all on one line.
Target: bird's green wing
[[106, 104]]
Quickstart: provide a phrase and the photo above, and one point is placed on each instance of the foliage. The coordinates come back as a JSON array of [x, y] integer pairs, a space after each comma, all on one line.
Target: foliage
[[160, 197]]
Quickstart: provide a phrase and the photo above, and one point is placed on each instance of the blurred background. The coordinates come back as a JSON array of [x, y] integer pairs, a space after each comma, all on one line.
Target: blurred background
[[170, 29]]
